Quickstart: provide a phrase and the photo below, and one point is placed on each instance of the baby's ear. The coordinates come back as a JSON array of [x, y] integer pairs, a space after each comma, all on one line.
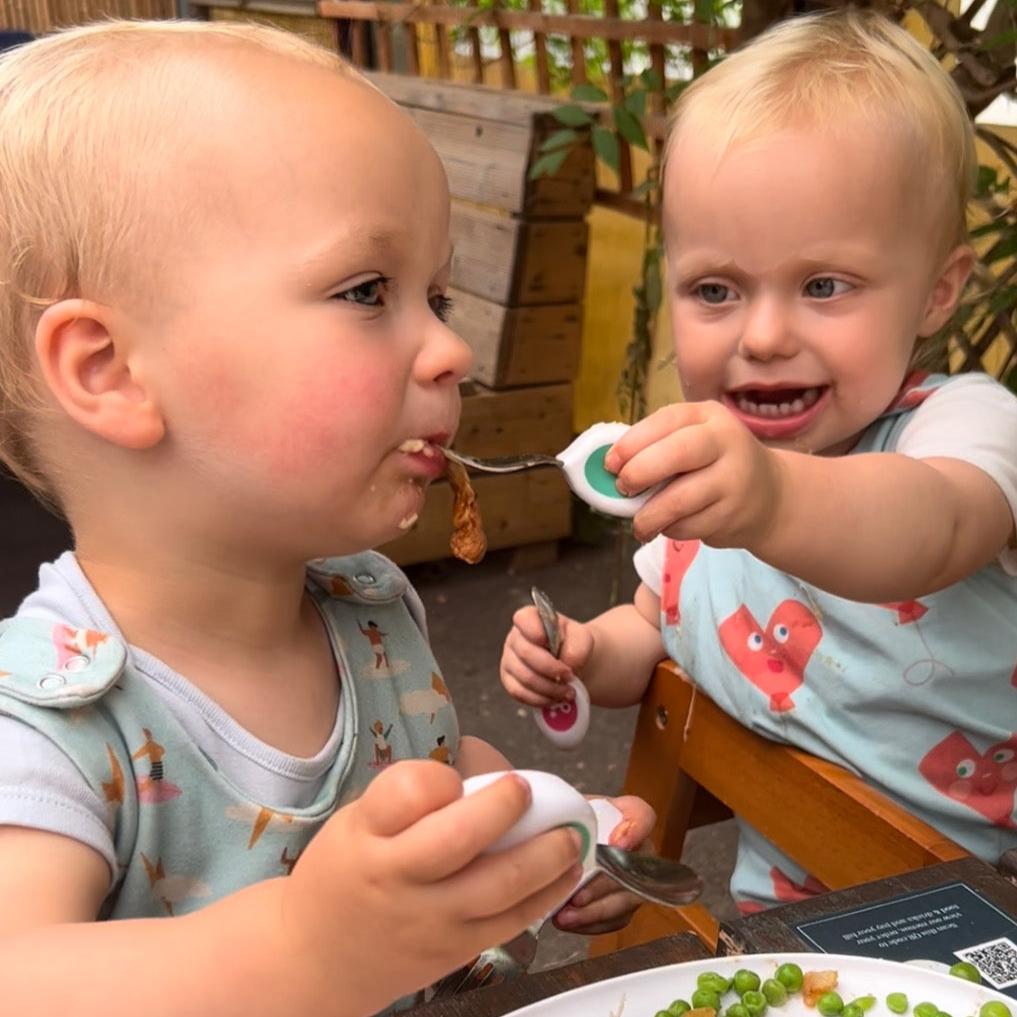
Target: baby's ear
[[88, 369], [947, 289]]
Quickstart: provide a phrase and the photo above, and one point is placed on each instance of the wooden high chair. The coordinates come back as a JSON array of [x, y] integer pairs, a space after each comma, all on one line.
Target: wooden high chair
[[696, 765]]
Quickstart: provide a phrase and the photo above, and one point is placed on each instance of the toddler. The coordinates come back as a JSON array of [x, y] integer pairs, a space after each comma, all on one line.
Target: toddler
[[224, 259], [831, 557]]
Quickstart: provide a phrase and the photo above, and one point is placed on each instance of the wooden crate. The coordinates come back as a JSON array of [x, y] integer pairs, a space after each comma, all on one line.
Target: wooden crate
[[518, 261], [518, 345], [518, 277], [488, 140]]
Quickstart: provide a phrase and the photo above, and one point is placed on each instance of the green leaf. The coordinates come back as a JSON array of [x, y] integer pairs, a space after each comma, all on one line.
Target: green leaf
[[651, 280], [641, 190], [1005, 247], [987, 182], [999, 226], [1004, 299], [605, 144], [630, 128], [1003, 39], [1011, 380], [559, 140], [572, 116], [635, 102], [548, 165], [673, 91], [652, 80], [588, 93]]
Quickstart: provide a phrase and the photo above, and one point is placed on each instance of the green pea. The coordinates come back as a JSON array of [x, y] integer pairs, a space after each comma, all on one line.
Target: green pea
[[705, 997], [943, 1013], [897, 1002], [754, 1002], [678, 1007], [962, 969], [830, 1004], [791, 977], [994, 1009], [745, 981], [775, 992], [737, 1010], [661, 1013], [926, 1010], [716, 983], [864, 1003], [852, 1010]]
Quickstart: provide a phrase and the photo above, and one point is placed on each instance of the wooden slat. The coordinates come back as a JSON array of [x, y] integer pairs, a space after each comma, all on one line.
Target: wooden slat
[[615, 86], [578, 53], [540, 52], [537, 418], [506, 59], [444, 44], [358, 41], [581, 26], [520, 262], [518, 345], [412, 49], [383, 46], [476, 55]]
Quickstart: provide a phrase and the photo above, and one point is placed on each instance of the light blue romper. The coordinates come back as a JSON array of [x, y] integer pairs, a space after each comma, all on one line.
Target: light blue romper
[[918, 697], [184, 834]]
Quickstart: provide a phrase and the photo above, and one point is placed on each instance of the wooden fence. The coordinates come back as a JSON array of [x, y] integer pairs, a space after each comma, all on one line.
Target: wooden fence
[[38, 16], [434, 39]]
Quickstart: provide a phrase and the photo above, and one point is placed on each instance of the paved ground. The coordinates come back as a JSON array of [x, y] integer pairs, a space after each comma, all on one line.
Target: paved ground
[[469, 611]]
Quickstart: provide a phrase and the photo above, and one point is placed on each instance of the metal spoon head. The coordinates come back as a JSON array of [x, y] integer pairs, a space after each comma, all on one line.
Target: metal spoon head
[[661, 880]]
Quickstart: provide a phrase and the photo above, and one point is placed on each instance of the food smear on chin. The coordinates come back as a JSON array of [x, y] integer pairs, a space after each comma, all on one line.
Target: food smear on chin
[[468, 542]]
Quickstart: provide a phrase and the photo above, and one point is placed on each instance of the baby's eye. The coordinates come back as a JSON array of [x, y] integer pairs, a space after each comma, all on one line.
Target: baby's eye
[[441, 305], [366, 294], [824, 287], [713, 293]]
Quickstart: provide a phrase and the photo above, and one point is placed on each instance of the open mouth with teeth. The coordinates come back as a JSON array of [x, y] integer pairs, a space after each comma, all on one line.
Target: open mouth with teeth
[[421, 446], [777, 413], [776, 403]]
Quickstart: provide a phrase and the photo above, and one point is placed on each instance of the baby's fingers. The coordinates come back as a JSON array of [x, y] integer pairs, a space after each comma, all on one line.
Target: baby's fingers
[[609, 911], [449, 840], [497, 883], [523, 683]]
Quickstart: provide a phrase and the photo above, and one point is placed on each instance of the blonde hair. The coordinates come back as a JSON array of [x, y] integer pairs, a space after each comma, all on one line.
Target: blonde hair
[[89, 124], [824, 68]]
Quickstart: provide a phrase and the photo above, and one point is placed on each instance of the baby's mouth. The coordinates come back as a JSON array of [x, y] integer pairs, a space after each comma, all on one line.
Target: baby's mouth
[[774, 404], [420, 446]]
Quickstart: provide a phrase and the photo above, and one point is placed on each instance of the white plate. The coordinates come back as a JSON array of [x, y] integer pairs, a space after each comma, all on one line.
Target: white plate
[[643, 993]]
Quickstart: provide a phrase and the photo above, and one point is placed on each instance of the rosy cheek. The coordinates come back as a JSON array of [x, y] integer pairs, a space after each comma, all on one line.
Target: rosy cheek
[[960, 789]]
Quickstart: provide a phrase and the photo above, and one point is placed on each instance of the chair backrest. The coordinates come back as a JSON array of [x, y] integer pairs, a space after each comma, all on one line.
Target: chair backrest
[[695, 765]]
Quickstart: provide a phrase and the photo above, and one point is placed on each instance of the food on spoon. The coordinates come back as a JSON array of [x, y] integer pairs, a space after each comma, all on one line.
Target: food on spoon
[[816, 984], [468, 542]]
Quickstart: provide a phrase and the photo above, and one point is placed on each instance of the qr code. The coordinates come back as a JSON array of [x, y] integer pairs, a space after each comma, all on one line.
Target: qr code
[[996, 960]]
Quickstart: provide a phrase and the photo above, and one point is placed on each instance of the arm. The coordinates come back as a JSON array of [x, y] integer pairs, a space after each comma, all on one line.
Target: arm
[[892, 527], [870, 527], [477, 756], [351, 930], [627, 644], [613, 655]]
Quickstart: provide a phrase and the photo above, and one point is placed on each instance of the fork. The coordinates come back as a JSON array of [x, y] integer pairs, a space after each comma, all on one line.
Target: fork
[[583, 465], [503, 464]]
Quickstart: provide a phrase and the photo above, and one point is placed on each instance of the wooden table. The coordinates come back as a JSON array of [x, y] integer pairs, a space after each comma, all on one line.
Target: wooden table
[[768, 931]]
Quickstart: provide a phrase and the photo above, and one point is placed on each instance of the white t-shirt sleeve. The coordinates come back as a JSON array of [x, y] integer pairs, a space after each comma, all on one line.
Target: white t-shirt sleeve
[[974, 419], [649, 563], [40, 788]]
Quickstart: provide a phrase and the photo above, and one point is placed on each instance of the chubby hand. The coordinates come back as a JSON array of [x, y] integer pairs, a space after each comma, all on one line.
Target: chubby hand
[[724, 484], [363, 904], [602, 905], [529, 671]]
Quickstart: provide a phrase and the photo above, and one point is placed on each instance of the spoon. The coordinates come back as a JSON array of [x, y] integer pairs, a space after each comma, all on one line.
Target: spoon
[[564, 723], [556, 803], [583, 465]]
